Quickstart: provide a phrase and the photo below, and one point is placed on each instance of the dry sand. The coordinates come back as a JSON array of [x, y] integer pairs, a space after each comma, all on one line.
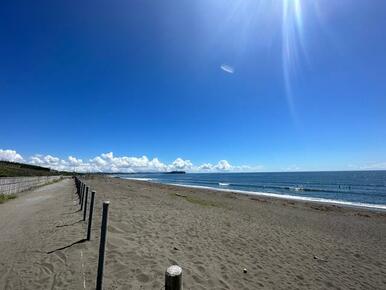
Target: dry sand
[[30, 226], [212, 235]]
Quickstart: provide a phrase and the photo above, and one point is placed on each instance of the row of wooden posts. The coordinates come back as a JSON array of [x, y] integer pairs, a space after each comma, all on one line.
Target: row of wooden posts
[[173, 274], [83, 192]]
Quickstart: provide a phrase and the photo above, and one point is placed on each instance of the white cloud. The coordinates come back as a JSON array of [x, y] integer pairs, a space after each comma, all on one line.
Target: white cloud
[[73, 161], [107, 162], [99, 161], [223, 165], [48, 160], [292, 167], [10, 155], [180, 164], [227, 68], [205, 166]]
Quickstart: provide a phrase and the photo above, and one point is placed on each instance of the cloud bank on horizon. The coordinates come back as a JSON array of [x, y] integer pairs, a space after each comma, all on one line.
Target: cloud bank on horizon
[[107, 162]]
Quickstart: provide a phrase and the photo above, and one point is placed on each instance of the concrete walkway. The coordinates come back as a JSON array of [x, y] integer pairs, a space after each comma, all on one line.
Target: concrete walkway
[[32, 229]]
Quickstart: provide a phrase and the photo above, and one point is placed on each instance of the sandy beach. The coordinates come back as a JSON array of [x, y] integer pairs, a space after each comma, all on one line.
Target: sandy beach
[[212, 235]]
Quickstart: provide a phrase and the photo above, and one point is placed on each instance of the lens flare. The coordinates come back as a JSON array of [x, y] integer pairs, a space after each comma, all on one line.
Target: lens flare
[[293, 47], [255, 24]]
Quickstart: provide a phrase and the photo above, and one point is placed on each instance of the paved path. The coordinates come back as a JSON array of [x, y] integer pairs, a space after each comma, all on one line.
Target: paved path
[[32, 227]]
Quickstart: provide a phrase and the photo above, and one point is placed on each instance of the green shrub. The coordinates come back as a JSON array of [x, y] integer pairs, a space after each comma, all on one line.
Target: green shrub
[[6, 197]]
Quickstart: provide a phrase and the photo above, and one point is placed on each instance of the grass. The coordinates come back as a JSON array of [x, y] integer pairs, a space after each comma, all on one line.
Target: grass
[[14, 169], [6, 197]]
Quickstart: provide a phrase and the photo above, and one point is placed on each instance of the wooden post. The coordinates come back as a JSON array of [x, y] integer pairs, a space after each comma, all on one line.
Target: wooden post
[[81, 195], [78, 187], [90, 215], [80, 191], [85, 204], [102, 245], [76, 184], [173, 278], [81, 200]]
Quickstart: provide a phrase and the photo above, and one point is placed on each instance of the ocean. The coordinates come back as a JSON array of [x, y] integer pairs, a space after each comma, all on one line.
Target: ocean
[[355, 188]]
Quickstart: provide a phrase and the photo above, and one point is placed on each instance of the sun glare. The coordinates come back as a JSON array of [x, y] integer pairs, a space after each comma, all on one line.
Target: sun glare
[[292, 46]]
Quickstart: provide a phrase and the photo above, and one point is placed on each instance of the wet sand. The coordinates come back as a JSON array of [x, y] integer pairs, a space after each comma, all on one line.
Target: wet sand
[[212, 235]]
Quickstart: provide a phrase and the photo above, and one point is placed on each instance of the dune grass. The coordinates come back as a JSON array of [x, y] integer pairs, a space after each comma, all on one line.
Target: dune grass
[[6, 197]]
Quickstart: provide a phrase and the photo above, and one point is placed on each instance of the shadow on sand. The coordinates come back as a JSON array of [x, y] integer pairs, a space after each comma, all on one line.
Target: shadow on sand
[[67, 225], [68, 246], [66, 213]]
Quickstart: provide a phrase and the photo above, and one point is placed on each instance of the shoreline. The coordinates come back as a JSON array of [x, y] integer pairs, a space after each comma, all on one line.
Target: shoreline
[[297, 198], [284, 244]]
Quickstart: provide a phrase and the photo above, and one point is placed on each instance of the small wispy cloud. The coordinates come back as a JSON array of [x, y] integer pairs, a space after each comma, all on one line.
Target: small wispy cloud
[[369, 166], [227, 68]]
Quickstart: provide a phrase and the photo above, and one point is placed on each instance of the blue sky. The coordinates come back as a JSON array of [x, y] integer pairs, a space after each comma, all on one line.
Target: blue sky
[[265, 85]]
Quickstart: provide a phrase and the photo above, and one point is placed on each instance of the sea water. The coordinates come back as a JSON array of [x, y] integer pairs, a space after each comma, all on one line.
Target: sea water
[[358, 188]]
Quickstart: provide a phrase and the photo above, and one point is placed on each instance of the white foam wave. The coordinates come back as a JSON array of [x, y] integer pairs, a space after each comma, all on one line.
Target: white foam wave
[[282, 196], [293, 197], [138, 178], [223, 184]]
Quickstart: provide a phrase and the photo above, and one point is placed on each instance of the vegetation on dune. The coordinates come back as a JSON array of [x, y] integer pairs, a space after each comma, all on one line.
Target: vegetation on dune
[[13, 169], [5, 197]]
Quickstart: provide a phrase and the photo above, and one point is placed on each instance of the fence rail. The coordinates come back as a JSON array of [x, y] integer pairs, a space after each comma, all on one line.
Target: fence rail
[[12, 185]]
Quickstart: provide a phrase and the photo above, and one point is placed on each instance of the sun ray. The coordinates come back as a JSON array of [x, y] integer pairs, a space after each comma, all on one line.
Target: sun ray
[[292, 47]]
